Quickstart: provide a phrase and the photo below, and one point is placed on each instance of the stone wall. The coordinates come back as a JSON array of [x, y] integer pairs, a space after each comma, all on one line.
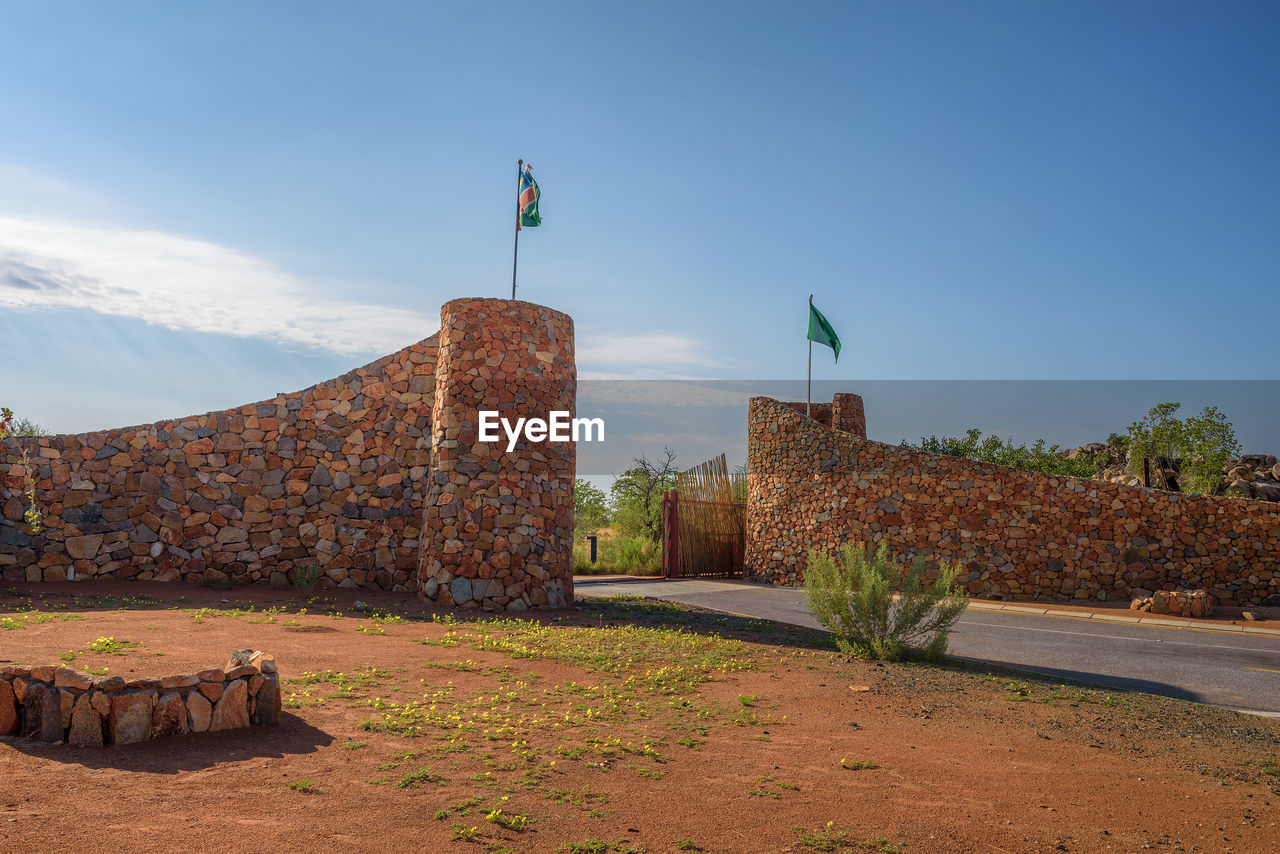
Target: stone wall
[[336, 479], [504, 520], [328, 477], [1020, 535], [844, 412], [58, 704]]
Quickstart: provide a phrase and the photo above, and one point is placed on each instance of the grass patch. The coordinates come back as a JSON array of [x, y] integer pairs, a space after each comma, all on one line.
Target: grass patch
[[421, 775], [111, 646], [833, 837]]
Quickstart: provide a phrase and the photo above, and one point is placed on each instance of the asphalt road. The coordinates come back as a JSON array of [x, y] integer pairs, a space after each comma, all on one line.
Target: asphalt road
[[1226, 668]]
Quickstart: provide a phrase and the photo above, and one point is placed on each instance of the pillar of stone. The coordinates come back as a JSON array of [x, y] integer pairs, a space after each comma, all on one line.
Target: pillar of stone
[[498, 526], [847, 414]]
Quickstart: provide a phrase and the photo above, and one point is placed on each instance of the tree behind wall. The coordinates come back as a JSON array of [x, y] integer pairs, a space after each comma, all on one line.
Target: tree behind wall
[[637, 495], [590, 509], [1204, 443], [13, 426]]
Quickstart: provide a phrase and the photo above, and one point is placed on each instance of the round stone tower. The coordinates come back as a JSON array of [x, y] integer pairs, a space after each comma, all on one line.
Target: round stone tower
[[497, 531]]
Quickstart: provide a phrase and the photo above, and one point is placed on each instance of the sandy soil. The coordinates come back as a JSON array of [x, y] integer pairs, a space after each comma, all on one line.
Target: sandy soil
[[603, 755]]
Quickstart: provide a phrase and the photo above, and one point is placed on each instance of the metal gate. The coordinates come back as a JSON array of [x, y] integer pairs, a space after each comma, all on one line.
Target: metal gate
[[703, 523]]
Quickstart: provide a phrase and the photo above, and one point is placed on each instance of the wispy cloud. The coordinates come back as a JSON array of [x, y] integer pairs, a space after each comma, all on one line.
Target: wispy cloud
[[182, 283], [654, 395], [656, 355]]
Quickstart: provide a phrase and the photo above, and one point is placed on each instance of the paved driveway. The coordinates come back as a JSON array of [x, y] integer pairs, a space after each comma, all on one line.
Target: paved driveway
[[1232, 668]]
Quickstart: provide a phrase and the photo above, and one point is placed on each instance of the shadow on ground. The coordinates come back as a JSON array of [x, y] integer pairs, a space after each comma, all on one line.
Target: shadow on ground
[[1084, 677], [192, 752], [655, 613]]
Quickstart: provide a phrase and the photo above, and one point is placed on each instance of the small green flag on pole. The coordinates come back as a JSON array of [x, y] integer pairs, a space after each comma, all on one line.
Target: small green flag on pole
[[820, 330]]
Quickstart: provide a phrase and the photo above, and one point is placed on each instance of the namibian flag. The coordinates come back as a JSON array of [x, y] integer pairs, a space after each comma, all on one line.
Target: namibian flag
[[529, 194]]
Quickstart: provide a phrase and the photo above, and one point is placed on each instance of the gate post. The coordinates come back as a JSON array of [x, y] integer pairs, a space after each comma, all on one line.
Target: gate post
[[671, 534]]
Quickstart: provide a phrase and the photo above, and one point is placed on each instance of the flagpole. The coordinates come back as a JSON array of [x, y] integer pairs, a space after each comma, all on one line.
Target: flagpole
[[808, 389], [515, 255]]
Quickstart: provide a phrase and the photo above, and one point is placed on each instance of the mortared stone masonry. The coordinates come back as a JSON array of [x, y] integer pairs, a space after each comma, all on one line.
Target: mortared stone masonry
[[502, 521], [348, 479], [814, 484]]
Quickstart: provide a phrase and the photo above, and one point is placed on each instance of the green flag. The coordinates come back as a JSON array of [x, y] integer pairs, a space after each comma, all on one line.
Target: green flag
[[821, 332]]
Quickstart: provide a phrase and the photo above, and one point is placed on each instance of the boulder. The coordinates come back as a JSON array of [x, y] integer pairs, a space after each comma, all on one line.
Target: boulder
[[266, 709], [211, 690], [199, 711], [110, 683], [460, 587], [86, 724], [232, 710], [51, 716], [170, 716], [239, 658], [101, 703], [1267, 490], [130, 718], [65, 677], [183, 681], [32, 709], [68, 702], [84, 548], [9, 722]]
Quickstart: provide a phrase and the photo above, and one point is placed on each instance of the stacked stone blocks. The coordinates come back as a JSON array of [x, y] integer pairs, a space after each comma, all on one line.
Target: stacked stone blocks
[[335, 481], [325, 478], [1020, 535], [58, 704], [503, 519]]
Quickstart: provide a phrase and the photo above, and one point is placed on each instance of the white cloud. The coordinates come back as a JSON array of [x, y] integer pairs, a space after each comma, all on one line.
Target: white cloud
[[656, 394], [182, 283], [644, 356]]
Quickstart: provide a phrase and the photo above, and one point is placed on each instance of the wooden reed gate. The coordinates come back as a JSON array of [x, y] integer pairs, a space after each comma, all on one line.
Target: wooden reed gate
[[703, 522]]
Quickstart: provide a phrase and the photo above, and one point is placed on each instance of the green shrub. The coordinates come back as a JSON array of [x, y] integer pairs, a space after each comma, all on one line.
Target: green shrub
[[10, 426], [854, 598], [1039, 456], [629, 554], [1204, 443]]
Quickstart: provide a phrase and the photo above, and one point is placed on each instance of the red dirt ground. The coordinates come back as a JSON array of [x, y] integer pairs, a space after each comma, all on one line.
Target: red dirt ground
[[967, 760]]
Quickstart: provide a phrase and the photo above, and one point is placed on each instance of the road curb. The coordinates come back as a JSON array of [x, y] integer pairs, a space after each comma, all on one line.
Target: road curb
[[1121, 618]]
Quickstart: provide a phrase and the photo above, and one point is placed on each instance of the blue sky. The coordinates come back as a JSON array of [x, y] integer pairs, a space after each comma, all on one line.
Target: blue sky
[[203, 205]]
